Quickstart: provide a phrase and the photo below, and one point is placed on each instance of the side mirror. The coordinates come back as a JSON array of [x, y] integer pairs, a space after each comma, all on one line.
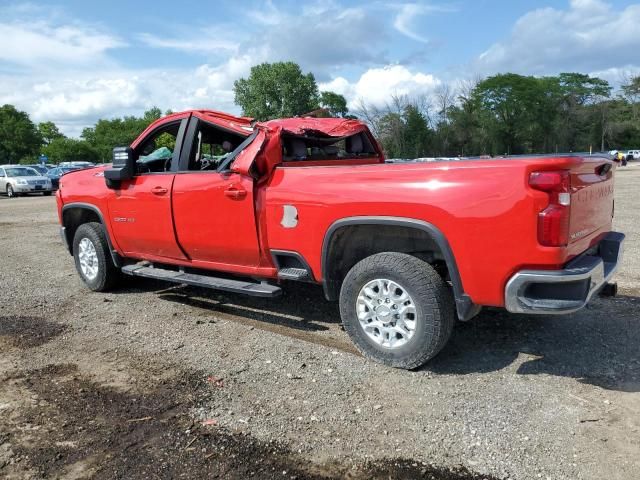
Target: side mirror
[[124, 167]]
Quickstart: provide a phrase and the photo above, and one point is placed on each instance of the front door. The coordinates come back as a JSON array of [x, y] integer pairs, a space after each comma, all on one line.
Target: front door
[[140, 210], [141, 217], [213, 211]]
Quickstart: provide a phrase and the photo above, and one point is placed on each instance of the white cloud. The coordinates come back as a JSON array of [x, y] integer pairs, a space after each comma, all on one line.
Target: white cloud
[[589, 36], [56, 68], [321, 37], [408, 13], [38, 43], [203, 42], [377, 85], [267, 14], [79, 99], [404, 19], [617, 75]]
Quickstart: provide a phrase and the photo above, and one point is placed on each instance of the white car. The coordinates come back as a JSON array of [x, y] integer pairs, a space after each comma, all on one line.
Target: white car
[[633, 155], [18, 180]]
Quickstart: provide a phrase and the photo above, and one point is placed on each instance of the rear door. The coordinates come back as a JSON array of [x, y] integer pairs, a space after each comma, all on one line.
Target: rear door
[[213, 211], [140, 210]]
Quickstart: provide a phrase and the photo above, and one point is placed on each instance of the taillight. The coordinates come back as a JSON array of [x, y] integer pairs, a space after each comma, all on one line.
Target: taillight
[[553, 221]]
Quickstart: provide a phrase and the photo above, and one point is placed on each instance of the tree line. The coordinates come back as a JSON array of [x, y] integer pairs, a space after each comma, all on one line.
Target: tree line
[[22, 141], [502, 114], [510, 114]]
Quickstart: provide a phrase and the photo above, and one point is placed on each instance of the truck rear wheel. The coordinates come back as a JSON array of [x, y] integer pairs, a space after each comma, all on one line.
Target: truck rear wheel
[[397, 309], [92, 257]]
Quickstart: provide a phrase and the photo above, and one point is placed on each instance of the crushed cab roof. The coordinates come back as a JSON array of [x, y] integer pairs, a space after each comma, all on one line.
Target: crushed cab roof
[[333, 127], [239, 124]]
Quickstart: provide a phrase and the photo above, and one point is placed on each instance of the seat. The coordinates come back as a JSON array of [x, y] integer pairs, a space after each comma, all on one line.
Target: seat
[[331, 150], [354, 145], [297, 149]]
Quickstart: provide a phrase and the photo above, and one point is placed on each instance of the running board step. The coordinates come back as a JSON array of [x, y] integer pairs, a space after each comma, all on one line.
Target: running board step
[[206, 281], [293, 274]]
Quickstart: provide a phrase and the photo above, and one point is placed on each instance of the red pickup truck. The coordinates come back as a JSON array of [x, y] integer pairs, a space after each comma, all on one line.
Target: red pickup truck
[[208, 199]]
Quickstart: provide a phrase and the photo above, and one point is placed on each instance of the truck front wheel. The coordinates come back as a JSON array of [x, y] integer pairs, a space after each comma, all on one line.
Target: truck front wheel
[[397, 309], [92, 257]]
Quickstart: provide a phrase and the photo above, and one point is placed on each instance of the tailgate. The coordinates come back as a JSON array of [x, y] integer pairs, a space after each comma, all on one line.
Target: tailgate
[[591, 197]]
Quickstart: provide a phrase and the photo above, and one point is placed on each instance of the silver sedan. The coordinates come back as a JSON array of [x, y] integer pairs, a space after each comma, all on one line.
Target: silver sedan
[[17, 180]]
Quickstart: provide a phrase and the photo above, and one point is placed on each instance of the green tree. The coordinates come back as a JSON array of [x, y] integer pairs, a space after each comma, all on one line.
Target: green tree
[[107, 134], [577, 92], [510, 113], [402, 128], [19, 137], [631, 92], [49, 132], [153, 114], [417, 133], [275, 90], [469, 125], [70, 150], [390, 127], [335, 103], [523, 110], [581, 89]]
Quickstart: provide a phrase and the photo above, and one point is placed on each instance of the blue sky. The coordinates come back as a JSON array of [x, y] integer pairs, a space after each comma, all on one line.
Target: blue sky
[[75, 61]]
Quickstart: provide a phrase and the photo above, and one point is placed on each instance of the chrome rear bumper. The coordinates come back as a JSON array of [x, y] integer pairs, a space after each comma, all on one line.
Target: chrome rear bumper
[[569, 289]]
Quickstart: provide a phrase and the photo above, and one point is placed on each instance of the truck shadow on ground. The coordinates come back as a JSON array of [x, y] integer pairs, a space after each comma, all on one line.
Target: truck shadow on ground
[[301, 307], [255, 309], [597, 345]]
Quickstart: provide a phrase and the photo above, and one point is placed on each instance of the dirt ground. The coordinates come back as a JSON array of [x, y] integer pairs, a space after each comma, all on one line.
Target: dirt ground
[[160, 381]]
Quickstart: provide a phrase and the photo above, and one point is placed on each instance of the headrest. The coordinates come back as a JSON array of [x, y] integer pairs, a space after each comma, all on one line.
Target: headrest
[[297, 148], [354, 144], [331, 150]]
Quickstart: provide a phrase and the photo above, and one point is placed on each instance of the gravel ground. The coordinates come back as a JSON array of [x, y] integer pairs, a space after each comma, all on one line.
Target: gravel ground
[[162, 381]]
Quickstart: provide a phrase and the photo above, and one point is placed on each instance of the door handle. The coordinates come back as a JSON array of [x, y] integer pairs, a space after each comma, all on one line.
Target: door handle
[[235, 193], [159, 190]]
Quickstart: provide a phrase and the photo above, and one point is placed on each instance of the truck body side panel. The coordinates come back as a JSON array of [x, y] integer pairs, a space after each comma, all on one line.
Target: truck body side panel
[[485, 209]]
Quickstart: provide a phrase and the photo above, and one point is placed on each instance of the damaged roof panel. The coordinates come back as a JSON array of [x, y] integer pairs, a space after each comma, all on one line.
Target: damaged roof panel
[[333, 127]]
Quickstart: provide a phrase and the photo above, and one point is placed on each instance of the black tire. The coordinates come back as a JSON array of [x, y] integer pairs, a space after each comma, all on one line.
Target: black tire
[[108, 273], [47, 194], [11, 192], [432, 298]]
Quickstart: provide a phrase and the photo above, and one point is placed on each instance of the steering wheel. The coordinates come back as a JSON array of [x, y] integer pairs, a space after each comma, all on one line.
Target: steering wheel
[[205, 163]]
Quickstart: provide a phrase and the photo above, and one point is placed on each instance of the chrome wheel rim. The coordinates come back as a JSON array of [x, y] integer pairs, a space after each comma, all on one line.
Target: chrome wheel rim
[[387, 313], [88, 259], [9, 191]]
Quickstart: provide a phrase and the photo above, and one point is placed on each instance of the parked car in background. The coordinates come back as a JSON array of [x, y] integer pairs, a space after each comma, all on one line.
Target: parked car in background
[[16, 180], [633, 155], [39, 168], [55, 173], [76, 165]]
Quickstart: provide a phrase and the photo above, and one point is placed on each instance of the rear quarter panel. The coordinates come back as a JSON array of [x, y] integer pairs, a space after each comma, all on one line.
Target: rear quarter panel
[[485, 209]]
